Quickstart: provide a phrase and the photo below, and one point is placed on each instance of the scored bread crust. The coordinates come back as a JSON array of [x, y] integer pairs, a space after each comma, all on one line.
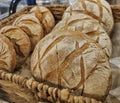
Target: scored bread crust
[[45, 17], [7, 54], [31, 26], [99, 10], [88, 26], [70, 59], [20, 41]]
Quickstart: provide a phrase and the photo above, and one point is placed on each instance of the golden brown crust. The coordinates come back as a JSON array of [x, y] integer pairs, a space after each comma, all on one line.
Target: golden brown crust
[[70, 60], [7, 54], [89, 26], [99, 10], [20, 41], [45, 17], [31, 25]]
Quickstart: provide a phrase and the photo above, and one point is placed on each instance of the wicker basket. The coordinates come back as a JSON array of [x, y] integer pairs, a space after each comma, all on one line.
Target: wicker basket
[[17, 88]]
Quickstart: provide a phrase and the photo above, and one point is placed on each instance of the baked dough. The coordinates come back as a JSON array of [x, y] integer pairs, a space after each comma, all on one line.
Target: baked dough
[[31, 26], [99, 10], [70, 59], [45, 17], [7, 54], [88, 26], [20, 41]]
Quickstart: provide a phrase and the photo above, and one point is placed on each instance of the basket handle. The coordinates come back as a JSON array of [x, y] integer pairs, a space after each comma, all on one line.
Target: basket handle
[[14, 4]]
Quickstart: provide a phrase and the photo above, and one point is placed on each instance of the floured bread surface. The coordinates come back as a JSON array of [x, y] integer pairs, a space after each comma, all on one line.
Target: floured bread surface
[[31, 25], [7, 54], [45, 17], [88, 26], [99, 10], [20, 41], [71, 60]]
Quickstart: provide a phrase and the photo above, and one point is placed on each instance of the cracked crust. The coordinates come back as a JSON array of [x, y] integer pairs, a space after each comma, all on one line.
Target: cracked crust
[[99, 10], [7, 54], [20, 41], [45, 17], [89, 27], [66, 59], [31, 26]]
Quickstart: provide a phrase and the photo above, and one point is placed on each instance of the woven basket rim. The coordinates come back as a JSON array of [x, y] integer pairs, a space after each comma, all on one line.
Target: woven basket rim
[[7, 19], [63, 94], [115, 10]]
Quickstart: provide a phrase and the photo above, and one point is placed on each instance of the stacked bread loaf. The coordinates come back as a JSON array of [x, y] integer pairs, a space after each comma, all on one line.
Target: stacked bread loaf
[[76, 53], [20, 38], [7, 54], [36, 24]]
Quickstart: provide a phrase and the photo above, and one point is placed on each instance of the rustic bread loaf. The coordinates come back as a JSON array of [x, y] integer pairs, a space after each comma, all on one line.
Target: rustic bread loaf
[[99, 10], [20, 41], [72, 60], [31, 25], [89, 26], [7, 54], [45, 17]]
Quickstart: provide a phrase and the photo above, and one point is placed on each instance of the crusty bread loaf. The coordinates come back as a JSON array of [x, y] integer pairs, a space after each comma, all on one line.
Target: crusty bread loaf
[[31, 25], [7, 54], [99, 10], [89, 26], [72, 60], [45, 17], [20, 41]]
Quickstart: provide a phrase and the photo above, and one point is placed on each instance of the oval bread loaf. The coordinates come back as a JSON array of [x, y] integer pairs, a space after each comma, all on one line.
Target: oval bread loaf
[[88, 26], [99, 10], [20, 41], [45, 17], [70, 59], [31, 26], [7, 54]]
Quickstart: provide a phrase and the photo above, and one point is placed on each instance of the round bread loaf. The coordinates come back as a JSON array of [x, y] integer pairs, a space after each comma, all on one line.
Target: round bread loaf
[[70, 59], [7, 54], [89, 26], [31, 26], [99, 10], [20, 41], [45, 17]]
